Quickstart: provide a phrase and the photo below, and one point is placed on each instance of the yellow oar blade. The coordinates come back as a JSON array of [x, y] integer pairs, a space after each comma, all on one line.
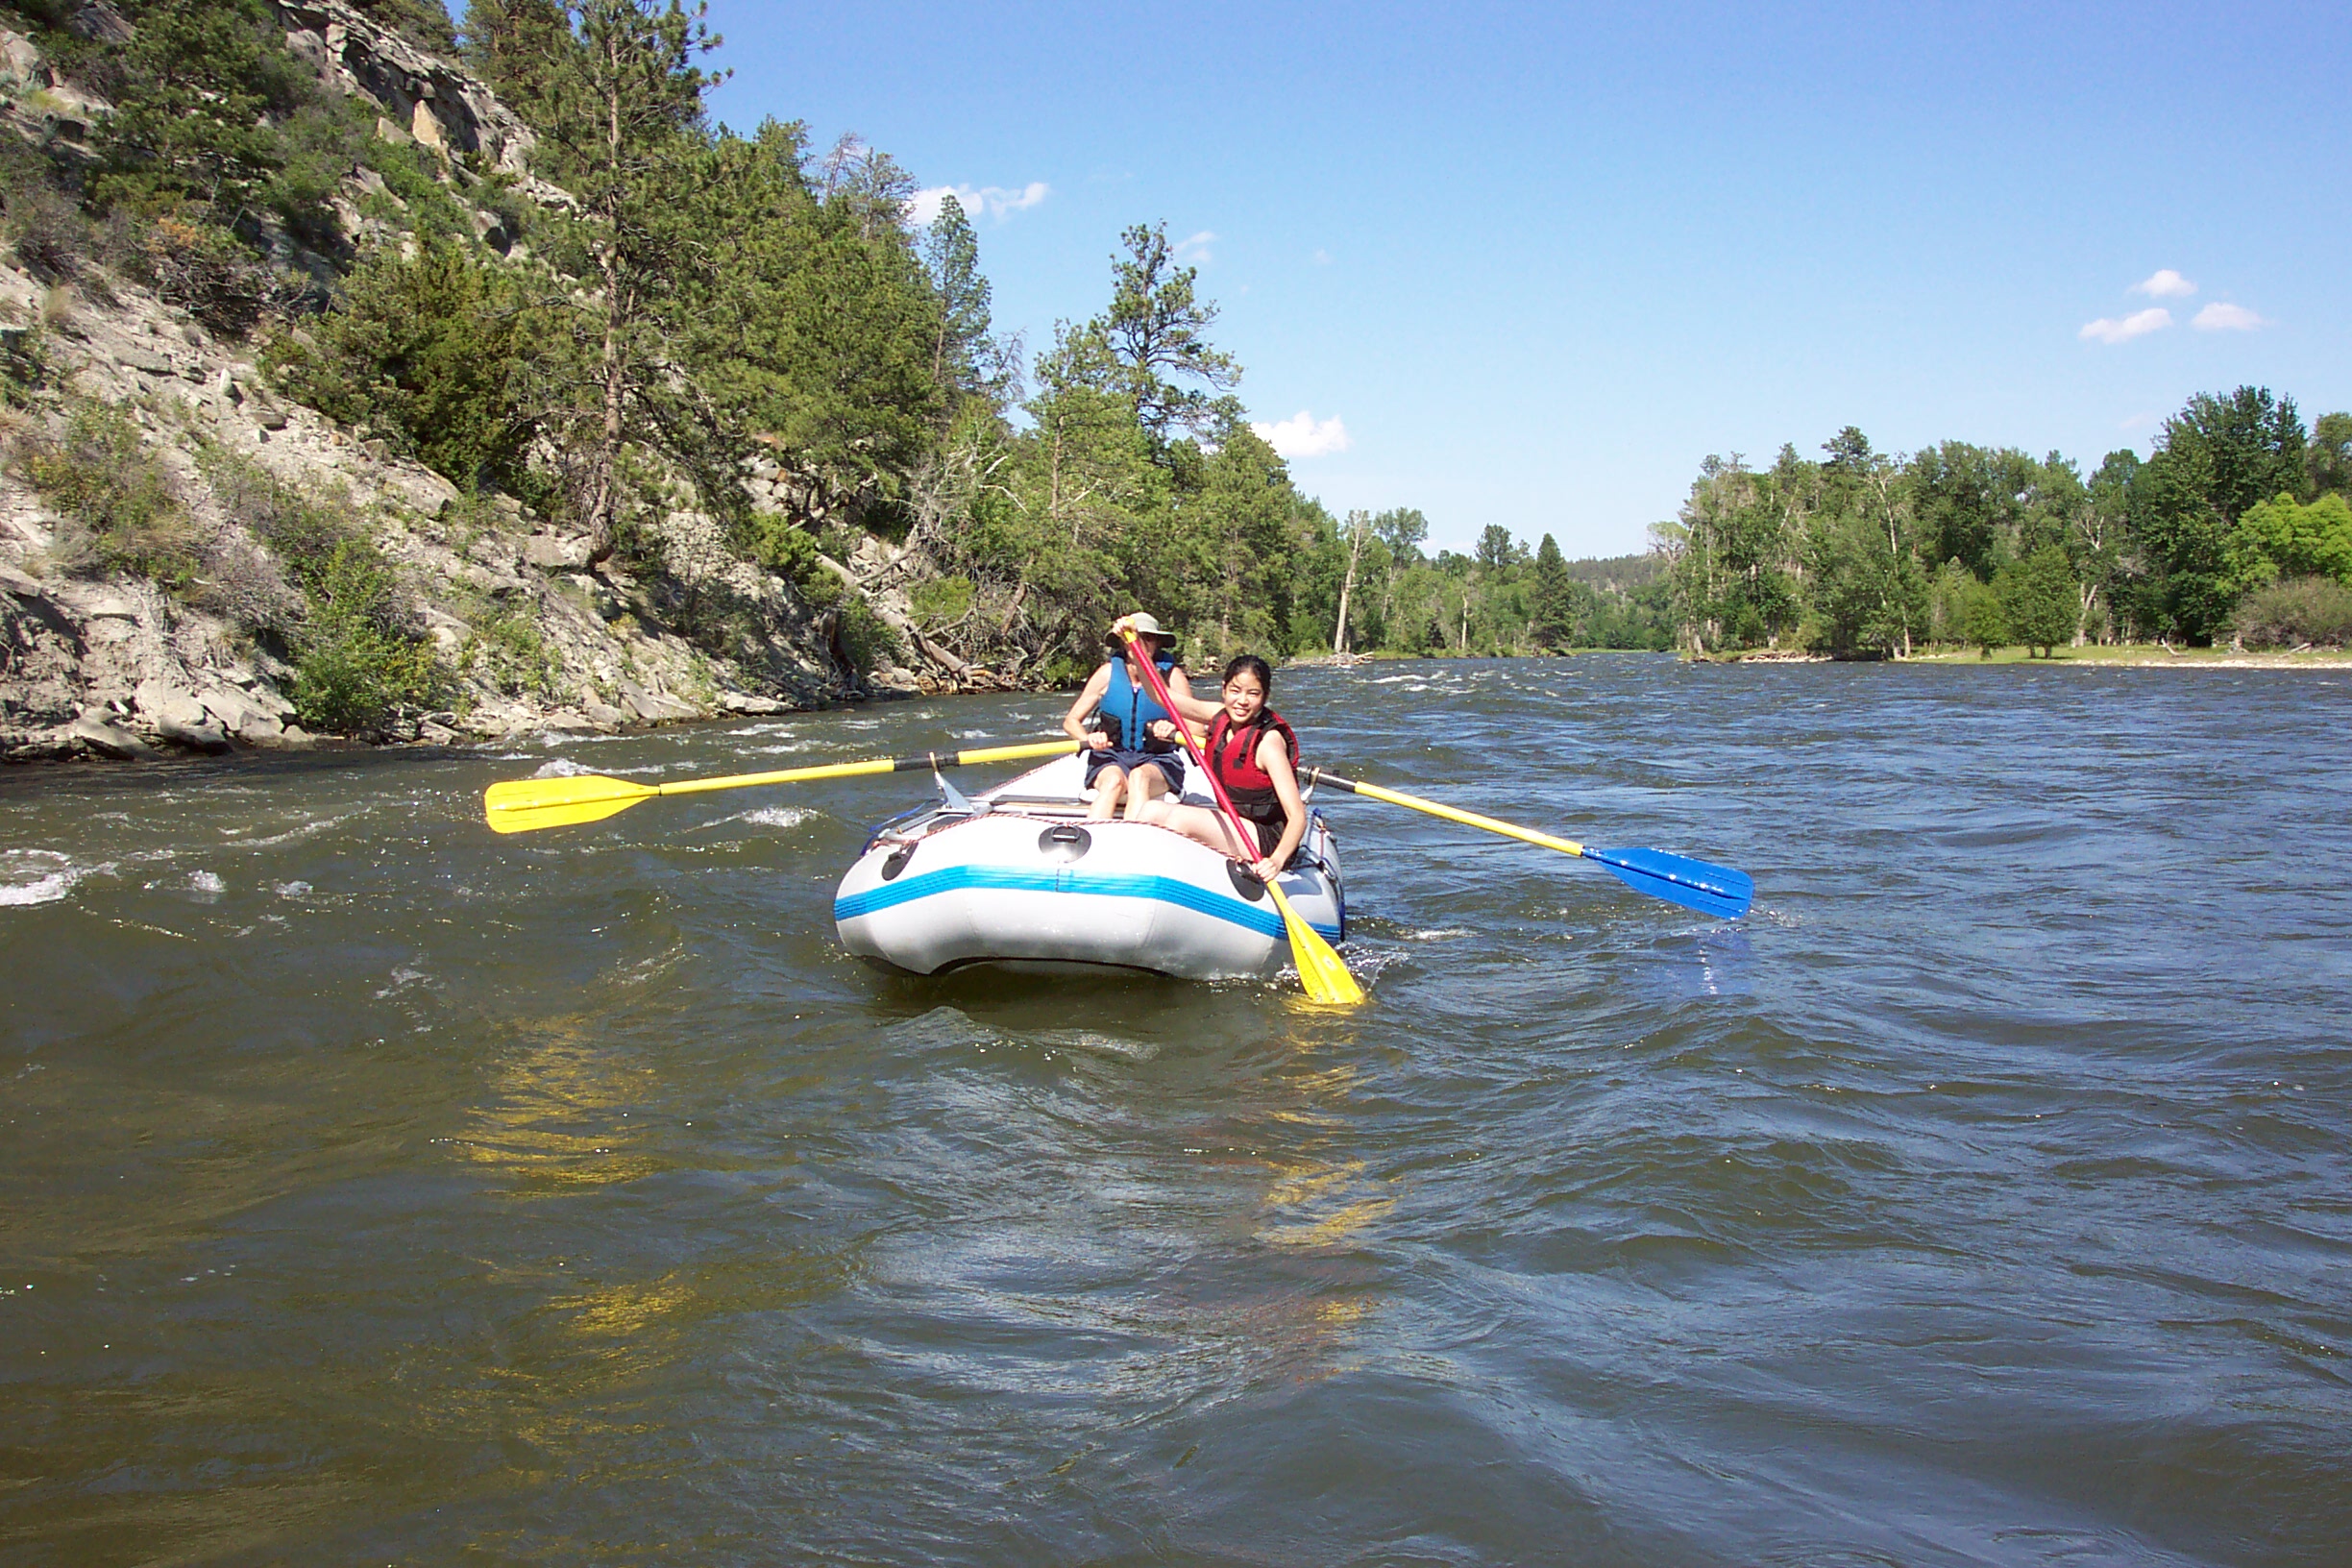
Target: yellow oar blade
[[1321, 971], [523, 805]]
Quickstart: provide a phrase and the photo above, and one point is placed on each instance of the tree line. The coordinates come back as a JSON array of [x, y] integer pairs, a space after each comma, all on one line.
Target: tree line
[[692, 304], [2236, 529]]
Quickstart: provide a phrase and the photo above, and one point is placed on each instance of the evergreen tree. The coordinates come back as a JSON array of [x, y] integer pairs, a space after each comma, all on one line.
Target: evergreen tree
[[624, 123], [2216, 459], [1156, 330], [1552, 601], [962, 359]]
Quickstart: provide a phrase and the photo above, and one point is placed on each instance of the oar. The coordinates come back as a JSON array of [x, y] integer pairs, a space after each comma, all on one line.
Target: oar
[[522, 804], [1322, 970], [1693, 883]]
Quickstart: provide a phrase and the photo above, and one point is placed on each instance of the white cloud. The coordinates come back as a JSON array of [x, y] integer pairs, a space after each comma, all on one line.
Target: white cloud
[[2167, 284], [1303, 435], [1193, 249], [994, 201], [2106, 330], [2219, 317], [1322, 259]]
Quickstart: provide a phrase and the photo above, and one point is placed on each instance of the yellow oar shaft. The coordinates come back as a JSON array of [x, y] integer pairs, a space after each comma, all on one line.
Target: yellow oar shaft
[[522, 805], [876, 765], [1452, 814]]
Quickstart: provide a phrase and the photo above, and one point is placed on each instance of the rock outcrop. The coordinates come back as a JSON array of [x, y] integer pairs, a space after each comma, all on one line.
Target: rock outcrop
[[529, 638]]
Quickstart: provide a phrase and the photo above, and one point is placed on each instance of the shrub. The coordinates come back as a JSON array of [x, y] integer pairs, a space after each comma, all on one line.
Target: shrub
[[942, 601], [429, 350], [208, 273], [360, 664], [2040, 599], [867, 639], [507, 648], [771, 540], [51, 237], [118, 510], [302, 528], [1983, 623], [2300, 610]]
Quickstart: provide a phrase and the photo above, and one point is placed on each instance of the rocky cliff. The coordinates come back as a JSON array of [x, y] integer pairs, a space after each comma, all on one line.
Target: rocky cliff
[[103, 660]]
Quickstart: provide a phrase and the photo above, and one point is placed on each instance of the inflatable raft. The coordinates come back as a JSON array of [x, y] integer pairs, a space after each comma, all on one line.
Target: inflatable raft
[[1017, 875]]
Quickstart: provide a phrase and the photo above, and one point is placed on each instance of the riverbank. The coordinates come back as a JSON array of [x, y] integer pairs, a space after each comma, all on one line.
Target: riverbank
[[2152, 656]]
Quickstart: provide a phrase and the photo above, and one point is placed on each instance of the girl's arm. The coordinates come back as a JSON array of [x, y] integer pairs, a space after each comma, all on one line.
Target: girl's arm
[[1089, 697], [1180, 695], [1275, 758]]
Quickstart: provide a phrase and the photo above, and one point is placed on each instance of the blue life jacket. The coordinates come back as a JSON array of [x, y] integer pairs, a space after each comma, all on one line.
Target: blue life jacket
[[1128, 709]]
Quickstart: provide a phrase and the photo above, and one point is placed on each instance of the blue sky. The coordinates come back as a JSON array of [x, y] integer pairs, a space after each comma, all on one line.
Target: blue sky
[[1538, 261]]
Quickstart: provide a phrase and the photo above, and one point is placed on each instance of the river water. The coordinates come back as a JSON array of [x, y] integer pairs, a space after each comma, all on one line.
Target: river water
[[376, 1190]]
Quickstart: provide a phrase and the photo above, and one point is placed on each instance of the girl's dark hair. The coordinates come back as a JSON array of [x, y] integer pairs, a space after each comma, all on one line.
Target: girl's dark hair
[[1256, 666]]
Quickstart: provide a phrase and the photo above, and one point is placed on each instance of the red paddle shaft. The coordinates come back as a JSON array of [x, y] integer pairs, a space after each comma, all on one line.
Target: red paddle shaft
[[1183, 731]]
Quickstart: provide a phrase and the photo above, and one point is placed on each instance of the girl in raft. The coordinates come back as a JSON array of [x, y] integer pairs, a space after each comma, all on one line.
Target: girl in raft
[[1254, 755], [1131, 745]]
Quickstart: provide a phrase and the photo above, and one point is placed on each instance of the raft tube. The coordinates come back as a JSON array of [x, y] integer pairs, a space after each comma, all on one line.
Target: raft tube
[[1017, 874]]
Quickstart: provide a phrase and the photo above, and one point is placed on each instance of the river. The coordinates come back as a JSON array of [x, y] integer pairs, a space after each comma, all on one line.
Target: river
[[376, 1189]]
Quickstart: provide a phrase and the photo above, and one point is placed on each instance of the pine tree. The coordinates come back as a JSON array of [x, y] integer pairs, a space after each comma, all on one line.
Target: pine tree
[[1552, 606]]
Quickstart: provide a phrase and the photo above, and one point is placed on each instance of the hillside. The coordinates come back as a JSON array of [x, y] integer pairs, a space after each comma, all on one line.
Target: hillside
[[371, 375]]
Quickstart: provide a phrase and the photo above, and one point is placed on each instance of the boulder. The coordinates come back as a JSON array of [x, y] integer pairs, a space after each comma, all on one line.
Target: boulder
[[199, 737], [556, 551], [746, 703], [659, 707], [235, 710], [110, 739], [167, 703], [604, 714]]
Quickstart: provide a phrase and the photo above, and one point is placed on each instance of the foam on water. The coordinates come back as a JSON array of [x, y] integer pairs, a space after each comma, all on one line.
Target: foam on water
[[40, 876]]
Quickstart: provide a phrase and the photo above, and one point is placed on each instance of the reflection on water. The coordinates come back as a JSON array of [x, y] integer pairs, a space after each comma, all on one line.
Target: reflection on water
[[378, 1190]]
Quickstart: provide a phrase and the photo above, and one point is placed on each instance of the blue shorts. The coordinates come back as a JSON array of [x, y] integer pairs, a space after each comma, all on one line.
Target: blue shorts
[[1172, 764]]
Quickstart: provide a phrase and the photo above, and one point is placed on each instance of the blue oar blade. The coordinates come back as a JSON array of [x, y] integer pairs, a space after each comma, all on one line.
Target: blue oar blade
[[1693, 883]]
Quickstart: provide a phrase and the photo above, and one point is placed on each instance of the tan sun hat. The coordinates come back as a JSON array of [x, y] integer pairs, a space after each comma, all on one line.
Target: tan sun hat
[[1143, 624]]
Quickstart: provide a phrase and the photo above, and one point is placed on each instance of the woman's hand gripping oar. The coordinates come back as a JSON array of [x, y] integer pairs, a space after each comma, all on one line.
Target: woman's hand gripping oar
[[1322, 970], [522, 804], [1693, 883]]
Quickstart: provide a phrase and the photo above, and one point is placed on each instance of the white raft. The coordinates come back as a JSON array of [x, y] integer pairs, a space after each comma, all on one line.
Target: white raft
[[1017, 874]]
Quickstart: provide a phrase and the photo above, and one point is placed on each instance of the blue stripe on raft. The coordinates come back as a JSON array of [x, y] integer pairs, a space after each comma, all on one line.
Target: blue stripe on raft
[[1167, 890]]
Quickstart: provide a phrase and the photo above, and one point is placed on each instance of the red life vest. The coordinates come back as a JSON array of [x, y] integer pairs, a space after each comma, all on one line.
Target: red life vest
[[1232, 755]]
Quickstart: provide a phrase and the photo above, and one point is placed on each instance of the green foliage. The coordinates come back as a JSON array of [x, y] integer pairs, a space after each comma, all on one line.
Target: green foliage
[[118, 510], [1875, 552], [940, 601], [2298, 612], [2327, 460], [1551, 604], [1156, 334], [866, 639], [2216, 459], [2292, 540], [359, 664], [1983, 621], [507, 649], [432, 351], [2040, 599], [773, 541], [815, 322]]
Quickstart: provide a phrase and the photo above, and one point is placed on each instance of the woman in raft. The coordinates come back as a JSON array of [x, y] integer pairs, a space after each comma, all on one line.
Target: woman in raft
[[1255, 756], [1132, 747]]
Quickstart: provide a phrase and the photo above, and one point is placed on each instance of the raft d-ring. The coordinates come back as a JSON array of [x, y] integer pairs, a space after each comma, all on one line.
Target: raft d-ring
[[1065, 842], [1245, 882], [897, 861]]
